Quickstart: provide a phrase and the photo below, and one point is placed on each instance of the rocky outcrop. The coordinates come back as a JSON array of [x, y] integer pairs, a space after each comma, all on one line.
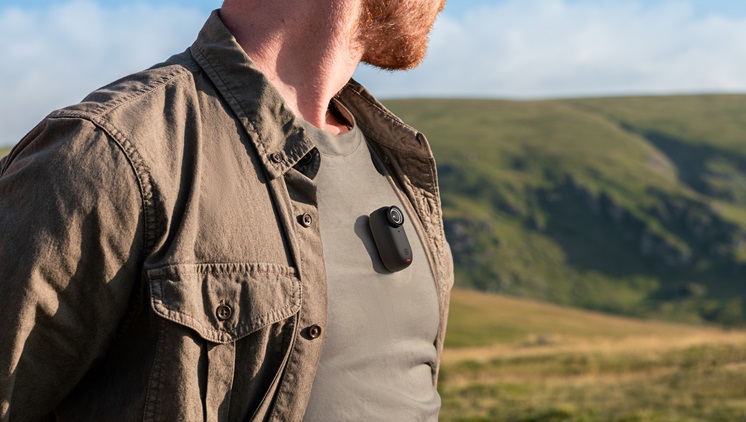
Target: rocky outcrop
[[468, 237]]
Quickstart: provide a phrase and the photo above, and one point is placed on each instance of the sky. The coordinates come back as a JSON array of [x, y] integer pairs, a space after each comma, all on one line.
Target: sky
[[53, 52]]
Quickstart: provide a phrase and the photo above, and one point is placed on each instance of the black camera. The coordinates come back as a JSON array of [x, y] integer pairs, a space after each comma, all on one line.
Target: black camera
[[386, 225]]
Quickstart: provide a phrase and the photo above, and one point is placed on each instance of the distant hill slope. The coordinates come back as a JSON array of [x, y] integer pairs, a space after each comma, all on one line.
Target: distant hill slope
[[631, 205], [4, 151]]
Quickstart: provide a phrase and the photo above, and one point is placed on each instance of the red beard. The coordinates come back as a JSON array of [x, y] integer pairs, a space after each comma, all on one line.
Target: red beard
[[394, 33]]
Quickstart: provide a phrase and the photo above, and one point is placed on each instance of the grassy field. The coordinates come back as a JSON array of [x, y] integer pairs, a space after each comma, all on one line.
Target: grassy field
[[4, 151], [510, 359]]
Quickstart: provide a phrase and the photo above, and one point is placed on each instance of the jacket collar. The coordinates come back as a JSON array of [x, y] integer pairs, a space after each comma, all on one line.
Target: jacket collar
[[279, 139], [382, 126]]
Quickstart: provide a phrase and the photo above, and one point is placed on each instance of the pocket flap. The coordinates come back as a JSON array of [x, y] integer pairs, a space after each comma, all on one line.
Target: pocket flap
[[224, 302]]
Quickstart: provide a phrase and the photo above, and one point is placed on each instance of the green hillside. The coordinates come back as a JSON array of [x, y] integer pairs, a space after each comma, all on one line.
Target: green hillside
[[509, 359], [629, 205]]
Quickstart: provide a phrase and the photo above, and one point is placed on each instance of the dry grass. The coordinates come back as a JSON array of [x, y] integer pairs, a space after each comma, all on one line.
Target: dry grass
[[548, 363], [479, 319], [537, 346]]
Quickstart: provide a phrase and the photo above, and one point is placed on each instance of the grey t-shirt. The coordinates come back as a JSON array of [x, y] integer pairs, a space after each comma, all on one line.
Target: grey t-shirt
[[379, 345]]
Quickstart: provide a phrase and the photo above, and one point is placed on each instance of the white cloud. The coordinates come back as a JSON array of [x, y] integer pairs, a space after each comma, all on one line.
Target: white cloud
[[54, 57], [547, 48]]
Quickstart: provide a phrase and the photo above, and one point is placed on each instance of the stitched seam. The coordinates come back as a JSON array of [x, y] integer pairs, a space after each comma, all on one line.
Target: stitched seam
[[277, 379], [386, 115], [143, 174], [223, 268], [101, 109], [221, 334], [240, 331], [228, 92], [139, 169], [155, 386]]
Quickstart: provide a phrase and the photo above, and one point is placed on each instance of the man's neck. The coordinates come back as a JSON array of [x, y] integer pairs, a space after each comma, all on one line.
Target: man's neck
[[305, 48]]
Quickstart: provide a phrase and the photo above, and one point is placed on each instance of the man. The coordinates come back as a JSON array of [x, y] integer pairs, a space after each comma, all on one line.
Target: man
[[192, 242]]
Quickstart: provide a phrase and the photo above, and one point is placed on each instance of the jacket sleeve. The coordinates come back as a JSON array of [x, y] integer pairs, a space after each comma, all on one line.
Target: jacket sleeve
[[71, 250]]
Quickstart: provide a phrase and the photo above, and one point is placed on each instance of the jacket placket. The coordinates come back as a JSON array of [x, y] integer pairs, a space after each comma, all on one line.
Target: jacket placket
[[295, 196]]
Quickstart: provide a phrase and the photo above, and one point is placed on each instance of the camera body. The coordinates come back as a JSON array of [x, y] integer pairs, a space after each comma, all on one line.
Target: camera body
[[386, 225]]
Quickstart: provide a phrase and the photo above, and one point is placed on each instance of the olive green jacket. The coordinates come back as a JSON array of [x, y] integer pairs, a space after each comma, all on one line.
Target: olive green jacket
[[160, 257]]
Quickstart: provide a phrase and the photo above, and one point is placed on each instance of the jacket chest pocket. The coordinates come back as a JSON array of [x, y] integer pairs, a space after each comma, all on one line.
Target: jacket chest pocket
[[223, 330]]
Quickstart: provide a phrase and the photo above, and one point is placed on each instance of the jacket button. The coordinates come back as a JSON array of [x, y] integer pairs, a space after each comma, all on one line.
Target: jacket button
[[224, 312], [314, 332], [306, 220], [276, 157]]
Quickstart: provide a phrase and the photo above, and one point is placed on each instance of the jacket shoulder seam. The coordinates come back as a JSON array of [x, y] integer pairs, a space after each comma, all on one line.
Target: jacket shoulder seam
[[107, 107], [139, 168]]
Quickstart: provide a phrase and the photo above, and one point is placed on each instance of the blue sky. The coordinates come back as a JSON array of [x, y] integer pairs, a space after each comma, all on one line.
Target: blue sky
[[453, 8], [701, 7], [55, 51]]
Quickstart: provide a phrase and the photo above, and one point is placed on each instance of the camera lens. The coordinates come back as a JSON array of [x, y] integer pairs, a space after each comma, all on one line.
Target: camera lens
[[395, 216]]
